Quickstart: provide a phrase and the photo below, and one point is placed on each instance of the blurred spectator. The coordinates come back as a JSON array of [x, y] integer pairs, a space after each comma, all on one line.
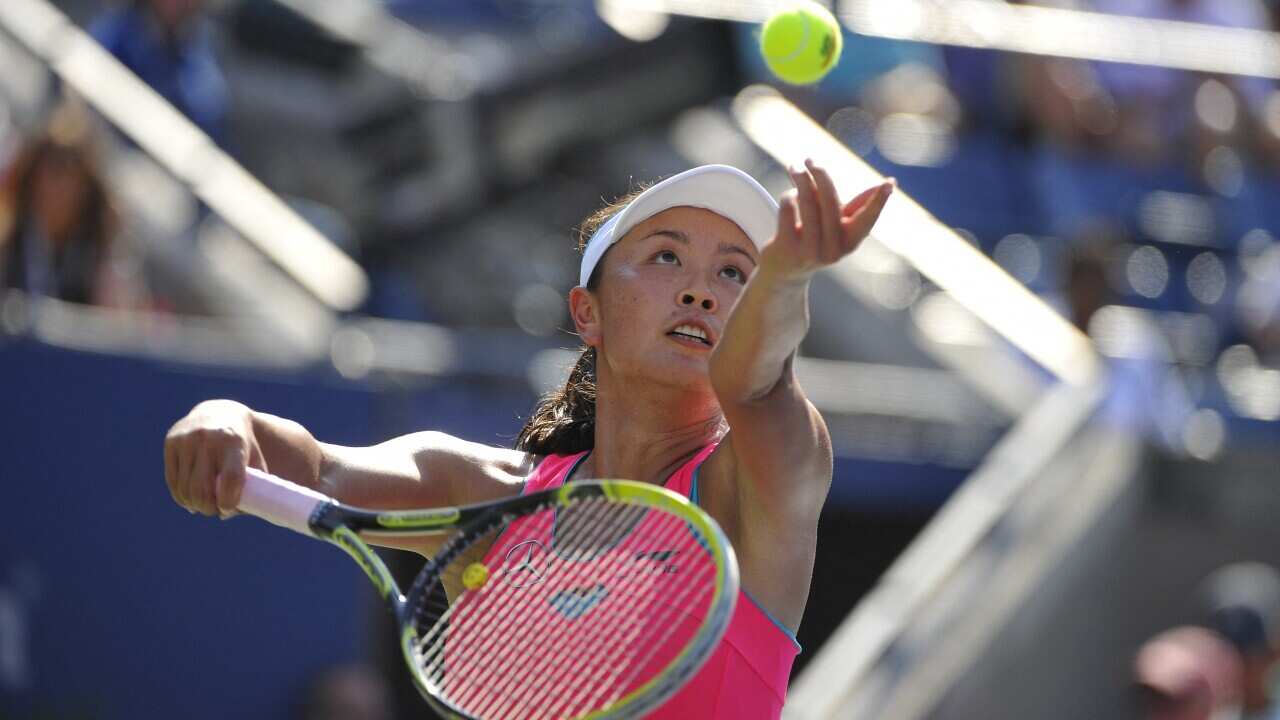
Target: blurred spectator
[[1187, 673], [57, 224], [1258, 300], [10, 138], [166, 43], [348, 692], [1087, 289], [1140, 111], [1116, 131], [1145, 393], [1243, 607]]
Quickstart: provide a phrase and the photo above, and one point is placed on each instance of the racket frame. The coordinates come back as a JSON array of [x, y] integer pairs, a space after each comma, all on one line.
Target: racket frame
[[286, 504]]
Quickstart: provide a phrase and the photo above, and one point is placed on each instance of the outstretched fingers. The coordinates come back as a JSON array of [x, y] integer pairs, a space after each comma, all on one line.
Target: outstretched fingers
[[830, 249], [809, 206], [788, 217], [814, 229], [861, 213]]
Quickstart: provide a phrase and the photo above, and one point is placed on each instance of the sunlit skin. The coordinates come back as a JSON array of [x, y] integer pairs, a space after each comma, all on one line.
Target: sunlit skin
[[682, 265], [659, 399]]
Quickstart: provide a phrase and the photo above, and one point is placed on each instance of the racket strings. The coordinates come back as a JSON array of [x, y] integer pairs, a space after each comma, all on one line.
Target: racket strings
[[606, 666], [501, 697], [435, 614], [460, 607], [696, 591], [586, 654], [578, 558], [439, 615], [594, 653], [557, 654], [606, 684], [692, 593], [458, 614], [570, 534], [638, 655], [471, 657], [603, 672]]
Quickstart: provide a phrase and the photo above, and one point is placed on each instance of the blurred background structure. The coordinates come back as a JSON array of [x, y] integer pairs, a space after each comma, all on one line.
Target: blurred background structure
[[1053, 385]]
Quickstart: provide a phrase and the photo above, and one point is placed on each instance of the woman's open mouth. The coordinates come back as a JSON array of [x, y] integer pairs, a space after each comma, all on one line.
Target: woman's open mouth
[[690, 335]]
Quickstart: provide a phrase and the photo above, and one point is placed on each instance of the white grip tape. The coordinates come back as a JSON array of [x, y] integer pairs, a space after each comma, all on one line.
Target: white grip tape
[[279, 501]]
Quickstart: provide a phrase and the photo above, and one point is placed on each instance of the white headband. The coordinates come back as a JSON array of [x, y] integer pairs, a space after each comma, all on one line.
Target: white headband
[[724, 190]]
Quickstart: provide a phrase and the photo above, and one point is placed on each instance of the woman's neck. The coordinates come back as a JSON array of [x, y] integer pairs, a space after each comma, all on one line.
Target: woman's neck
[[647, 434]]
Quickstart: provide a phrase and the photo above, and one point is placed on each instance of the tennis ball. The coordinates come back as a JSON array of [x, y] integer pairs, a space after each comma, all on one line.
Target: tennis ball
[[802, 43], [475, 576]]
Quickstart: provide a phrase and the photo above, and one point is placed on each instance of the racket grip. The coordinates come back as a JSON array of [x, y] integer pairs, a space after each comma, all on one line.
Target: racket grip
[[279, 501]]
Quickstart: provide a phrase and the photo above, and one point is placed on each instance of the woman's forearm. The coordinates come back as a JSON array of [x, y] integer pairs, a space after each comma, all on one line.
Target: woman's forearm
[[764, 330], [771, 316], [289, 450]]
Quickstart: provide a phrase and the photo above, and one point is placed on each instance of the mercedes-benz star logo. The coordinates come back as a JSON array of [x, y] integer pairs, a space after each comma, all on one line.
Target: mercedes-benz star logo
[[524, 573]]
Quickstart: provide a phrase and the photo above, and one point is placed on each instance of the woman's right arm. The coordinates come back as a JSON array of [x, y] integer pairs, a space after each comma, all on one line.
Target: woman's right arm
[[206, 453]]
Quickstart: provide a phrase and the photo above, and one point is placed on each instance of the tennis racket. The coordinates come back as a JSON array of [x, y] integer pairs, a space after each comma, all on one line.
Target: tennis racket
[[593, 600]]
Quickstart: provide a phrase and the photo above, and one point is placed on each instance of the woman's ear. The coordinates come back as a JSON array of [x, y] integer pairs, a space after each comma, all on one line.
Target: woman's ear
[[586, 315]]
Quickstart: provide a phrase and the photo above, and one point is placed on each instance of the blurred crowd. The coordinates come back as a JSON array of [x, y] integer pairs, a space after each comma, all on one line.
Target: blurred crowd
[[1096, 184], [58, 224], [346, 692], [1225, 665], [1100, 186], [1139, 200], [64, 231]]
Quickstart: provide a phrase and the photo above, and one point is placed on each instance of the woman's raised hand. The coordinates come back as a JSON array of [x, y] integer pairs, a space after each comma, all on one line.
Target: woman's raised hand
[[814, 229]]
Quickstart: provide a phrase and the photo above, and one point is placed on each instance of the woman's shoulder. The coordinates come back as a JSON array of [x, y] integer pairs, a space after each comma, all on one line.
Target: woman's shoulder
[[503, 465], [529, 472]]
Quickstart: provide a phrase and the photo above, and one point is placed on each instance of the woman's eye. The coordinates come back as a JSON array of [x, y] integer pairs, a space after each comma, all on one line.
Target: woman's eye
[[734, 274], [666, 256]]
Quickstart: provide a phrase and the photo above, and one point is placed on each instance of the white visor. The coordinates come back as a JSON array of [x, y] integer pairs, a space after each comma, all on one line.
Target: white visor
[[724, 190]]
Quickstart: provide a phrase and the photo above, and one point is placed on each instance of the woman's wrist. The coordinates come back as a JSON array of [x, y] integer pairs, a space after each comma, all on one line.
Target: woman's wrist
[[780, 275]]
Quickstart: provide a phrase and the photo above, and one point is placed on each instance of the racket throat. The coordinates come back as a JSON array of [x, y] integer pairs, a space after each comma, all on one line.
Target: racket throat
[[373, 566]]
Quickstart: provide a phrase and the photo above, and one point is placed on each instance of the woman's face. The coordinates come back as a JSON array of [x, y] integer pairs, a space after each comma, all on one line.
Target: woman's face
[[671, 279], [59, 192], [174, 14]]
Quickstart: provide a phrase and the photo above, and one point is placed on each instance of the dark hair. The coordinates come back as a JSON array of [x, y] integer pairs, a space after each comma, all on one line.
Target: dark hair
[[69, 139], [564, 420]]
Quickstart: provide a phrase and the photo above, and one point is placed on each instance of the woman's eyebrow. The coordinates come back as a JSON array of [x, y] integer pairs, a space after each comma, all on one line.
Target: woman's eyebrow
[[673, 234], [731, 248]]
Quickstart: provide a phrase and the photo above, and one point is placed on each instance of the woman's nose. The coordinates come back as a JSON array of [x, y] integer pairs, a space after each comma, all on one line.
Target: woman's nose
[[702, 299]]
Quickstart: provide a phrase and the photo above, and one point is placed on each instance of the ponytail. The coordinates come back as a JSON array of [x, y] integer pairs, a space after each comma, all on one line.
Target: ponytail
[[564, 420]]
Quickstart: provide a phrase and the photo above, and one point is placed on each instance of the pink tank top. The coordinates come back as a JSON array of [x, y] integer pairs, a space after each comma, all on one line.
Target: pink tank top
[[746, 676]]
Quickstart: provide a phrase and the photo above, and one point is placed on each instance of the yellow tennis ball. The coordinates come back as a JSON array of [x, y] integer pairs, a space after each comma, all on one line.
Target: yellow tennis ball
[[802, 43], [475, 576]]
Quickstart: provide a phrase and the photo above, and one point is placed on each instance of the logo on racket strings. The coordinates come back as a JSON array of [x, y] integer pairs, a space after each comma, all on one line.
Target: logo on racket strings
[[660, 561], [525, 572], [575, 602]]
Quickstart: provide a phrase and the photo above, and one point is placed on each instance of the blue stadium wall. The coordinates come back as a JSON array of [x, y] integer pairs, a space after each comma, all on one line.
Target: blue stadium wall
[[116, 603]]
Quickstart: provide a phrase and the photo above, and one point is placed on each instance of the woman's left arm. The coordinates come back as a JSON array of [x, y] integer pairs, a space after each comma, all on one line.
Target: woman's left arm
[[780, 448]]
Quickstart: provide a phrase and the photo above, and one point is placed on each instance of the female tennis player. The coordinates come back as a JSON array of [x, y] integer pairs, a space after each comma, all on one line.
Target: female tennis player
[[693, 299]]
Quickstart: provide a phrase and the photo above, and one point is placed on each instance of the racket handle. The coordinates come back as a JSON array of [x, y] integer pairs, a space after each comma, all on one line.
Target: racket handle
[[279, 501]]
